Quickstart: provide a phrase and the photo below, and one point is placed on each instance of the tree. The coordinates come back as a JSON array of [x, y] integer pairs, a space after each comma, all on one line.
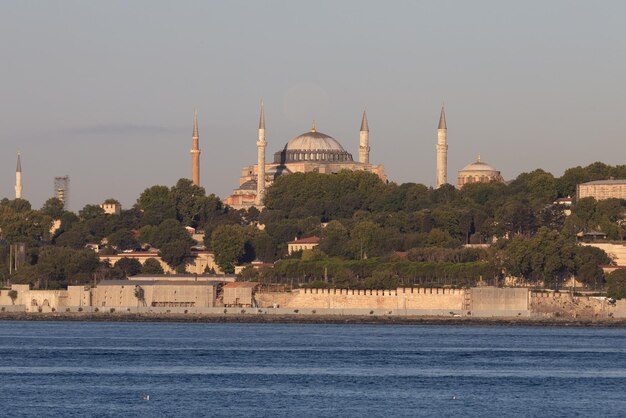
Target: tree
[[152, 266], [365, 236], [548, 256], [123, 239], [228, 243], [175, 253], [588, 261], [53, 207], [166, 232], [263, 246], [616, 284], [140, 294], [28, 227], [60, 266], [13, 295], [156, 204], [188, 200], [128, 266], [90, 212], [334, 240]]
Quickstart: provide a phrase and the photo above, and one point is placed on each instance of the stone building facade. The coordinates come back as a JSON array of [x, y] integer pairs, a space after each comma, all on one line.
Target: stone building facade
[[602, 189]]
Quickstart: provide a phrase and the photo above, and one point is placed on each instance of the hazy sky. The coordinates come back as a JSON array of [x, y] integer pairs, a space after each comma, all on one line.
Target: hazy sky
[[104, 91]]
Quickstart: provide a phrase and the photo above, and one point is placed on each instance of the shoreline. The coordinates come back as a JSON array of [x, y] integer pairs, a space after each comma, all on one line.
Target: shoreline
[[312, 319]]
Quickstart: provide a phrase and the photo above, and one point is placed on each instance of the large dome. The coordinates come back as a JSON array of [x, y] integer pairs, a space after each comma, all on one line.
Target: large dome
[[312, 146], [479, 166], [478, 172], [314, 141]]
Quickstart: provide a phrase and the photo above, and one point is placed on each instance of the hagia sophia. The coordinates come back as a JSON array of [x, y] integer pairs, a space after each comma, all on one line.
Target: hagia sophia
[[315, 151]]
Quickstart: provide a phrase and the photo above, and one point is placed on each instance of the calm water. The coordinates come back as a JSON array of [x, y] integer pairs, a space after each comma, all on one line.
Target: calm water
[[103, 369]]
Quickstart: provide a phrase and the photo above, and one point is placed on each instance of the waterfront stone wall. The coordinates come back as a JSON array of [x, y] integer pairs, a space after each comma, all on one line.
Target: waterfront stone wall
[[498, 299], [195, 294], [565, 305], [401, 298], [34, 300]]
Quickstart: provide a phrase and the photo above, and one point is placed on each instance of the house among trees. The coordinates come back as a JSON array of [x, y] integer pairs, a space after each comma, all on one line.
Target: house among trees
[[302, 244]]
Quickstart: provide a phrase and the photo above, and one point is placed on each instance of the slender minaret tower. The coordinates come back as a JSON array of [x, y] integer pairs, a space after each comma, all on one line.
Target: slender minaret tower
[[364, 141], [18, 178], [260, 180], [442, 150], [195, 152]]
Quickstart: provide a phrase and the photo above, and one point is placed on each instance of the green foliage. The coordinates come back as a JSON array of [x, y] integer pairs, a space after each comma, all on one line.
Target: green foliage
[[616, 284], [262, 247], [166, 232], [175, 253], [334, 240], [156, 205], [140, 294], [20, 224], [128, 266], [588, 262], [53, 207], [60, 266], [228, 242], [152, 266], [123, 239], [380, 272], [12, 295], [552, 257], [365, 226], [90, 212], [329, 197]]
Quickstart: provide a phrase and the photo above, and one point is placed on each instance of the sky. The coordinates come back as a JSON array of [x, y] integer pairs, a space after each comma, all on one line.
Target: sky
[[105, 91]]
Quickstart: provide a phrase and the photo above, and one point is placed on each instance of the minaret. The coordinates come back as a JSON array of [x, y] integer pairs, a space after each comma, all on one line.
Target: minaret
[[18, 178], [195, 152], [364, 141], [442, 150], [260, 180]]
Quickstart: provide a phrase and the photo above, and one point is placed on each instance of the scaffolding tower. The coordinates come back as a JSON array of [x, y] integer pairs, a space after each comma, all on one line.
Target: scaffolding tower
[[62, 190]]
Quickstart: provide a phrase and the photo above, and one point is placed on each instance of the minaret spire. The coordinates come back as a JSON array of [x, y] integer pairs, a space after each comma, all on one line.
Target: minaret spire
[[261, 143], [18, 178], [195, 151], [364, 126], [442, 149], [364, 141], [442, 118], [262, 118]]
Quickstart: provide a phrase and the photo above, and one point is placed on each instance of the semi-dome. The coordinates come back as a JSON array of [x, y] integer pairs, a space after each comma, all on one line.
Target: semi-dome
[[312, 146]]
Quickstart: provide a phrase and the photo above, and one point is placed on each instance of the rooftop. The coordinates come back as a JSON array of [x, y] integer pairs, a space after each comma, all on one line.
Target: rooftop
[[157, 283], [234, 285], [609, 181], [308, 240]]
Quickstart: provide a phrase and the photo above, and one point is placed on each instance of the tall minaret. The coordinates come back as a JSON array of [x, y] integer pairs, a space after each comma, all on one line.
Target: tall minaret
[[260, 180], [195, 152], [442, 150], [364, 141], [18, 178]]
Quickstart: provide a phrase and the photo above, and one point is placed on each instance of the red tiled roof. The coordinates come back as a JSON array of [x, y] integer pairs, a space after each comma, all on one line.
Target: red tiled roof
[[308, 240]]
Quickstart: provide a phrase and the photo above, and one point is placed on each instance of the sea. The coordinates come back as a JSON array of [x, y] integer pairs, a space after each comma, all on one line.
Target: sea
[[126, 369]]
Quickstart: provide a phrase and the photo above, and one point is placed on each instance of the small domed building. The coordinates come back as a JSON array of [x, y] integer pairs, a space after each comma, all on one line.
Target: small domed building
[[312, 151], [478, 172]]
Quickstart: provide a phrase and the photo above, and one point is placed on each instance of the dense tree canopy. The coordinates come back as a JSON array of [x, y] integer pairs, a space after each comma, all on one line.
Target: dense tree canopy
[[371, 233]]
